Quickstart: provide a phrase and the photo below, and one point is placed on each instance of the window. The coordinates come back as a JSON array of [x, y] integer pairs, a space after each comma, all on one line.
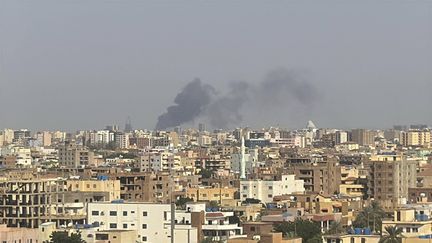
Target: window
[[124, 213], [113, 213], [101, 236], [144, 226], [270, 195], [144, 214], [144, 238], [124, 226], [113, 226], [95, 213], [363, 240], [270, 187]]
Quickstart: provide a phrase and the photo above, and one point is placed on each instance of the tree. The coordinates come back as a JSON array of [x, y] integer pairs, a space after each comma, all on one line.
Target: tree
[[205, 173], [181, 202], [251, 201], [305, 229], [392, 234], [370, 217], [213, 204], [63, 237], [335, 228], [210, 240]]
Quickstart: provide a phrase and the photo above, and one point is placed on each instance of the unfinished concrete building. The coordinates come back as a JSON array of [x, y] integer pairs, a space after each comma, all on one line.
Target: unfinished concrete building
[[28, 203]]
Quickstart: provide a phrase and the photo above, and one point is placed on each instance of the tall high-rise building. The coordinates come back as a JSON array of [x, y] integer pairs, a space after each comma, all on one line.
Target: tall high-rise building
[[128, 125], [201, 127], [419, 138], [74, 156], [390, 177], [121, 140], [341, 137], [363, 137]]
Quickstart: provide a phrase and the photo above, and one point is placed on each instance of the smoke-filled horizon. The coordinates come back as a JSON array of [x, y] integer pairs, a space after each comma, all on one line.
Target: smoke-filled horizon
[[81, 65], [280, 87]]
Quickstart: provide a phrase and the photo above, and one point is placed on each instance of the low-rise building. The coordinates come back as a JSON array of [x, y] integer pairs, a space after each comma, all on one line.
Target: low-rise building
[[266, 190]]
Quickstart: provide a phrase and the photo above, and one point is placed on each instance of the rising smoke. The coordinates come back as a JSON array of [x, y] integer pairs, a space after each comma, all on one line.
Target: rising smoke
[[279, 87], [189, 104]]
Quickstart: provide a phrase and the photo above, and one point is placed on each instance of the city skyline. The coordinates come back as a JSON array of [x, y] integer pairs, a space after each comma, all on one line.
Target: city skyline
[[371, 67]]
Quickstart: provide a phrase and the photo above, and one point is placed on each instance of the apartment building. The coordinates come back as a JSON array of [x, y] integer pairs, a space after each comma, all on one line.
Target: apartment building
[[121, 140], [266, 190], [321, 175], [160, 161], [415, 222], [74, 156], [151, 221], [390, 177], [112, 187], [214, 225], [417, 138], [363, 137], [144, 186], [207, 194], [28, 203]]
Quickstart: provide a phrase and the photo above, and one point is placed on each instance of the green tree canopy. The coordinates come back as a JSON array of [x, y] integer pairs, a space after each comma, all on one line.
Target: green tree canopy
[[205, 173], [335, 228], [370, 217], [63, 237], [305, 229], [392, 234], [181, 202]]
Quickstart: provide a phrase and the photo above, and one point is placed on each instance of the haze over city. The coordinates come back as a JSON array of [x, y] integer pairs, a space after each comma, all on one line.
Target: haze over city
[[84, 64]]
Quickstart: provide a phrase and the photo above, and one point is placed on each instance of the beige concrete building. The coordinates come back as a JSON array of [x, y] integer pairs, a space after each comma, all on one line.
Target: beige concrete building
[[207, 194], [318, 176], [74, 156], [110, 186], [417, 138], [390, 177], [14, 235], [28, 203], [363, 137], [412, 223]]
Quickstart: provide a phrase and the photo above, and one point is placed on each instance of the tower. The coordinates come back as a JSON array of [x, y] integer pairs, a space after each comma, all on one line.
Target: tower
[[128, 125], [242, 159]]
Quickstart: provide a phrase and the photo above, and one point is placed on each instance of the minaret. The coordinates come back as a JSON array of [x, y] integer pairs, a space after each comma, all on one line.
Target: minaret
[[242, 159]]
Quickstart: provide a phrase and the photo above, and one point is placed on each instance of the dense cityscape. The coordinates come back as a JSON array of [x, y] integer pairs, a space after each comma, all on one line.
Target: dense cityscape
[[238, 186]]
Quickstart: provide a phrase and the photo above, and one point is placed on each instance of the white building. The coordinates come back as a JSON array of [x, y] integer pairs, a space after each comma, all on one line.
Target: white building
[[341, 137], [23, 155], [215, 225], [266, 190], [121, 140], [151, 221], [160, 161]]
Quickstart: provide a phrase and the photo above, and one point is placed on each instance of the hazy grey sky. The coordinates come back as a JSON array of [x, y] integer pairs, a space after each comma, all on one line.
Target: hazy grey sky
[[82, 64]]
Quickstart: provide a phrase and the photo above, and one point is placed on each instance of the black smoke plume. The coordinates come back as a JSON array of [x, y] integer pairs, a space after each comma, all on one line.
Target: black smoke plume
[[279, 87], [189, 104]]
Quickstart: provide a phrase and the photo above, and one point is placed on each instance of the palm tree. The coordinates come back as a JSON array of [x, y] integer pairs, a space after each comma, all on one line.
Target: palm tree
[[335, 228], [370, 217], [393, 234]]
